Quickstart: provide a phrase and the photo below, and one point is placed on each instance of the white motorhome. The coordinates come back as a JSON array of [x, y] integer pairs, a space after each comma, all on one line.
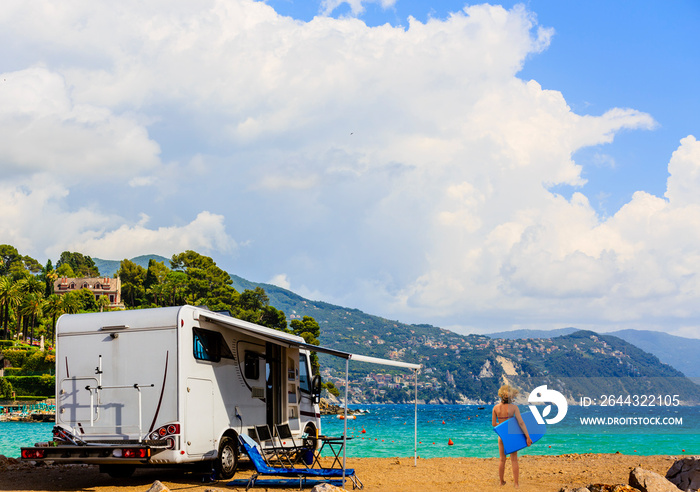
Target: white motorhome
[[167, 386]]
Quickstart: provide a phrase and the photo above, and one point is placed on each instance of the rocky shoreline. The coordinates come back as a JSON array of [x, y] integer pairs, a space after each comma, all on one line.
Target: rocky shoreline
[[328, 408], [683, 475]]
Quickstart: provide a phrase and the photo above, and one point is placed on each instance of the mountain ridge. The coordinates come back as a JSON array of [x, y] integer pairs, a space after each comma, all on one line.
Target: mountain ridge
[[679, 352], [108, 268]]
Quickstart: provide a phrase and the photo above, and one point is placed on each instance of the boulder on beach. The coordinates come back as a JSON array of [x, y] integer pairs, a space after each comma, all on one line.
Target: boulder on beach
[[158, 487], [685, 474], [7, 462], [648, 481], [603, 487], [326, 487]]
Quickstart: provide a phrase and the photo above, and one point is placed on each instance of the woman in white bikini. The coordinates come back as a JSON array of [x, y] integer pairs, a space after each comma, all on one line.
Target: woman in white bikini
[[502, 412]]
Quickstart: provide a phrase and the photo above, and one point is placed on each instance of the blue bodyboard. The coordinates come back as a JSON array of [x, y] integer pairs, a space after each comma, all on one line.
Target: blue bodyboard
[[513, 437]]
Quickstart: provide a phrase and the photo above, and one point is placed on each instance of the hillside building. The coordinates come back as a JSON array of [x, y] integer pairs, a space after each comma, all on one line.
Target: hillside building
[[103, 286]]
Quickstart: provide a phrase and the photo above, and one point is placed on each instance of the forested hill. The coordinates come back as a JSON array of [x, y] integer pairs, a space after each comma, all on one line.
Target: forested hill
[[679, 352], [471, 367]]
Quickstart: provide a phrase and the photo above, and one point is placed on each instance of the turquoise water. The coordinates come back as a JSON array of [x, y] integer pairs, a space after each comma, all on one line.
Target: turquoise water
[[14, 435], [389, 432]]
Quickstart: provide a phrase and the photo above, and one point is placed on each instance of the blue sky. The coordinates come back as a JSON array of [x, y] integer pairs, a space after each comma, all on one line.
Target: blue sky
[[477, 167], [603, 54]]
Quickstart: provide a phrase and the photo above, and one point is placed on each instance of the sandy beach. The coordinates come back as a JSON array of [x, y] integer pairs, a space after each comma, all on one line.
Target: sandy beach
[[537, 473]]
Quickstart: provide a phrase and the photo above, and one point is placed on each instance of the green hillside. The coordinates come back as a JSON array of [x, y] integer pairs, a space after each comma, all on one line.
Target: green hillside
[[463, 368], [679, 352], [472, 367]]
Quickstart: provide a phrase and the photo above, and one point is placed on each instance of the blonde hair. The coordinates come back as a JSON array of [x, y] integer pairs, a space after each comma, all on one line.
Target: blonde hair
[[507, 393]]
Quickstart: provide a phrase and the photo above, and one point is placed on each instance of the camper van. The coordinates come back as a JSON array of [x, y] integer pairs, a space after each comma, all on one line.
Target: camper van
[[171, 386]]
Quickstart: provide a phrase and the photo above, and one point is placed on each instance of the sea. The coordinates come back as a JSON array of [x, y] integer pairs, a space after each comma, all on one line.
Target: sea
[[465, 431]]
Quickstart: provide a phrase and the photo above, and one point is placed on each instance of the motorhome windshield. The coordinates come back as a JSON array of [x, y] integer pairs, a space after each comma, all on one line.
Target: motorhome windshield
[[304, 379]]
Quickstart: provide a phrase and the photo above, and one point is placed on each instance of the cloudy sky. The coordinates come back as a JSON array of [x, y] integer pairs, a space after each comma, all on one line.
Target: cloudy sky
[[476, 167]]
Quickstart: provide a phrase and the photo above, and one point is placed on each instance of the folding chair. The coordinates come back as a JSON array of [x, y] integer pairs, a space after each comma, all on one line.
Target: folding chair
[[298, 452], [269, 448], [332, 475]]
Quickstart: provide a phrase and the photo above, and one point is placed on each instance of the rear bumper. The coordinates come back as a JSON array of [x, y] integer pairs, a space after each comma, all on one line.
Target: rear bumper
[[94, 454]]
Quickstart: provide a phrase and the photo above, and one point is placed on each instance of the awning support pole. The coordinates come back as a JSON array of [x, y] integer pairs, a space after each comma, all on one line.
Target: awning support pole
[[345, 418], [415, 418]]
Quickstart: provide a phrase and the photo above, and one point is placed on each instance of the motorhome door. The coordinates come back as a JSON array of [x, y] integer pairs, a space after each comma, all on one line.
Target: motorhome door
[[273, 391]]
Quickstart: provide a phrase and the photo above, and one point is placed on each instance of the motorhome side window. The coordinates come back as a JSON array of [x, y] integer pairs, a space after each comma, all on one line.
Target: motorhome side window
[[251, 368], [304, 379], [210, 345]]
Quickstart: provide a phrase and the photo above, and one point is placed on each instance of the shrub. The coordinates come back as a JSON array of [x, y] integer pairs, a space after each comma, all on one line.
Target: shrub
[[44, 386], [36, 362], [16, 356], [5, 388]]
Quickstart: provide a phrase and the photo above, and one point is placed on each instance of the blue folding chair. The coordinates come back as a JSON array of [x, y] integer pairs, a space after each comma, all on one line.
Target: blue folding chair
[[303, 474]]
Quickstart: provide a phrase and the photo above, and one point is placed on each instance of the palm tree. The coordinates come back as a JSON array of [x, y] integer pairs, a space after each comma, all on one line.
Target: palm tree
[[10, 298], [33, 307], [157, 293], [69, 303], [26, 286], [103, 302], [53, 308], [5, 286]]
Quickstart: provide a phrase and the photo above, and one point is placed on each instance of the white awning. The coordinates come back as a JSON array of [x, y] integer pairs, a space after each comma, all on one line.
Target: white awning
[[289, 340], [386, 362]]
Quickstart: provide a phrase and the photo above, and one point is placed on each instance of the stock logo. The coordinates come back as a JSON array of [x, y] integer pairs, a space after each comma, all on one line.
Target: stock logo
[[543, 395]]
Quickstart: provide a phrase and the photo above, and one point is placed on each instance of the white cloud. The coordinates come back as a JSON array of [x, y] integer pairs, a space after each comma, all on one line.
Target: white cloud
[[44, 130], [684, 168], [407, 171], [206, 233], [34, 216], [280, 280], [37, 221], [562, 260]]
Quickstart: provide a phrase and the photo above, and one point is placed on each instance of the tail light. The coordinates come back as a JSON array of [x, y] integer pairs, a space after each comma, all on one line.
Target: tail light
[[135, 453], [164, 431], [32, 454]]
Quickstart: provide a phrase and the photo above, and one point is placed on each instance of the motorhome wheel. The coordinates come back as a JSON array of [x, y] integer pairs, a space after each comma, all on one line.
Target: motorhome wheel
[[311, 439], [225, 465]]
